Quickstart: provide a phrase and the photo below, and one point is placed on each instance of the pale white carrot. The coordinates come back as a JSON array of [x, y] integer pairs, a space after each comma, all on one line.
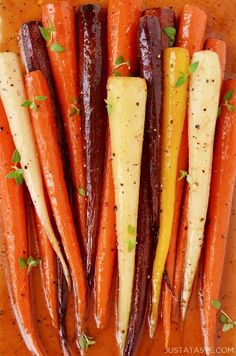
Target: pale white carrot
[[12, 93], [202, 114], [126, 107]]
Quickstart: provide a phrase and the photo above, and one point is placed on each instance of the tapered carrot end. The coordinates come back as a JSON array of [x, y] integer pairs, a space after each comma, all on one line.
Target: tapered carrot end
[[152, 325]]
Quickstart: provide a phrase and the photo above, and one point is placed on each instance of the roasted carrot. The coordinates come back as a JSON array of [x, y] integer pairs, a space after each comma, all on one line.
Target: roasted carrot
[[14, 100], [35, 57], [123, 20], [150, 47], [191, 28], [92, 84], [190, 35], [15, 234], [222, 187], [218, 46], [175, 60], [204, 95], [43, 123], [59, 22], [122, 36]]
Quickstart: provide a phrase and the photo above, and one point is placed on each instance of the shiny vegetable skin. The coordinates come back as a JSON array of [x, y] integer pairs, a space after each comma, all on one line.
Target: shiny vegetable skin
[[64, 66], [34, 56], [15, 233], [218, 46], [175, 61], [43, 123], [122, 34], [150, 46], [92, 83], [222, 187]]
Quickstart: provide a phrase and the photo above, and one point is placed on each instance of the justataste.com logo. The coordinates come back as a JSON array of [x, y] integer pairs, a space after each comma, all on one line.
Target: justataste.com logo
[[199, 350]]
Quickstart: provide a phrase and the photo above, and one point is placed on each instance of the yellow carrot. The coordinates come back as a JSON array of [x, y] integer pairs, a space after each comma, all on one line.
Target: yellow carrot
[[175, 67]]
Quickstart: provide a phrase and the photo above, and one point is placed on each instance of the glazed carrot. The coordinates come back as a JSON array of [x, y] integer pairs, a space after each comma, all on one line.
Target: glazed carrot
[[92, 21], [150, 48], [34, 56], [191, 28], [123, 20], [43, 123], [222, 187], [60, 18], [175, 60], [188, 37], [13, 97], [218, 46], [15, 233], [204, 95]]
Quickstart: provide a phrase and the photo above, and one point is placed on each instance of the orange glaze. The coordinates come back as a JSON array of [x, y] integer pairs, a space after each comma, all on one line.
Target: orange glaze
[[222, 24]]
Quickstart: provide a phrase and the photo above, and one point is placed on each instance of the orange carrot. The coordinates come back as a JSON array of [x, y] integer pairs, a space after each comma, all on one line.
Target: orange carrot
[[60, 19], [122, 60], [190, 35], [218, 46], [43, 122], [15, 233], [222, 187]]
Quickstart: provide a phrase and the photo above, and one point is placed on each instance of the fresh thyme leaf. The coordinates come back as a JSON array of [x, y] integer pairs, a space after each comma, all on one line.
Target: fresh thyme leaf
[[230, 107], [75, 101], [73, 112], [26, 103], [16, 158], [182, 174], [32, 263], [119, 60], [57, 47], [171, 33], [223, 319], [33, 106], [46, 33], [216, 304], [228, 95], [181, 80], [82, 192], [86, 341], [189, 179], [109, 107], [22, 262], [131, 245], [19, 176], [193, 67], [131, 230], [116, 73], [227, 327], [40, 97]]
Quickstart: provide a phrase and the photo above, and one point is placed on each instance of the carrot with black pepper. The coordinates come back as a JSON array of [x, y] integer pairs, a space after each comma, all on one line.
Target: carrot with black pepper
[[15, 233], [222, 187], [43, 123], [123, 20], [60, 34], [190, 35], [92, 84], [150, 47]]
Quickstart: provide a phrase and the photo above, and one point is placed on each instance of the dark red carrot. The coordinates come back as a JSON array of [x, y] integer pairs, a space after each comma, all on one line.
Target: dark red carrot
[[15, 234], [222, 188], [92, 84], [59, 22], [150, 47], [43, 123]]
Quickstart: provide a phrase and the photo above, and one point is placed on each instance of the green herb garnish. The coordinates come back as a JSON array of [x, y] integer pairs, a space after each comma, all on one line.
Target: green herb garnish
[[131, 230], [184, 76], [109, 107], [131, 245], [82, 192], [31, 104], [224, 318], [29, 264], [47, 32], [57, 47], [118, 63], [184, 174], [86, 341], [170, 33], [228, 96], [17, 172]]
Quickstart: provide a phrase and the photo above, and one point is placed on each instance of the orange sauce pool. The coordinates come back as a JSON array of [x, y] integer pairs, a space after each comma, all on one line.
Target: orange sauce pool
[[222, 23]]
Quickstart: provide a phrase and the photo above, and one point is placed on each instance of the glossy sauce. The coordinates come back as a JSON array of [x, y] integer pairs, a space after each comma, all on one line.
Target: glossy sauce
[[222, 23]]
